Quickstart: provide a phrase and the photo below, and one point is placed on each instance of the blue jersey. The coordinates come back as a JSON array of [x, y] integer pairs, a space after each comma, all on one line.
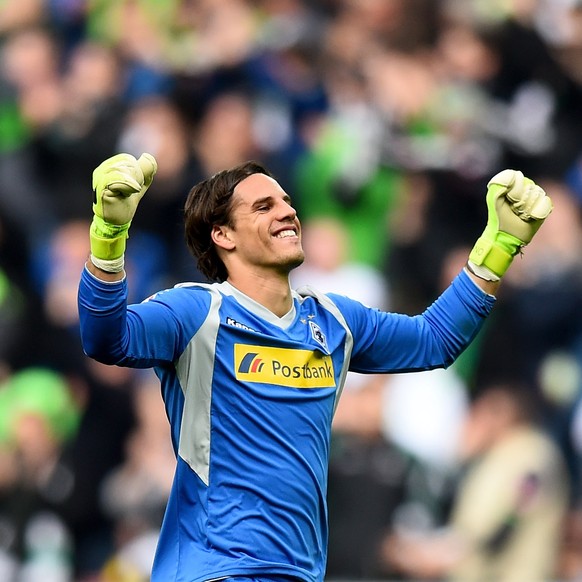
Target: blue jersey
[[250, 398]]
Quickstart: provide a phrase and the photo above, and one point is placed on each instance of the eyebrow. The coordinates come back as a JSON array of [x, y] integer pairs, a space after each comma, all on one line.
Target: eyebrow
[[270, 198]]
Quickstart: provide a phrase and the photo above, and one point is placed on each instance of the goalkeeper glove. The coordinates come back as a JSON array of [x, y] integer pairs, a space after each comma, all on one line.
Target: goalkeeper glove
[[119, 183], [516, 208]]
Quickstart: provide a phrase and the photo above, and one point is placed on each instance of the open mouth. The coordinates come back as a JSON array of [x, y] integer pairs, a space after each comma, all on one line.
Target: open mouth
[[287, 233]]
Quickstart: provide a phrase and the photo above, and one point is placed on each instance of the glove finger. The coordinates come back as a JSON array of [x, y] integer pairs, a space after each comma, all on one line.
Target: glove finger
[[120, 189], [533, 204], [148, 166], [124, 172], [123, 183], [129, 168], [542, 206], [117, 161], [128, 176], [520, 190], [509, 179]]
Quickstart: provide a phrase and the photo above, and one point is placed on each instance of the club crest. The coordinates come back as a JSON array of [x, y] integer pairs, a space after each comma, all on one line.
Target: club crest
[[318, 335]]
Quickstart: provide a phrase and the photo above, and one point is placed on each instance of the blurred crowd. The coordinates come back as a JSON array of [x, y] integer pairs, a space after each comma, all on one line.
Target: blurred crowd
[[384, 120]]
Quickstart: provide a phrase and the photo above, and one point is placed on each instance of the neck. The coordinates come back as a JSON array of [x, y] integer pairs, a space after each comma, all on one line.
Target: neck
[[273, 293]]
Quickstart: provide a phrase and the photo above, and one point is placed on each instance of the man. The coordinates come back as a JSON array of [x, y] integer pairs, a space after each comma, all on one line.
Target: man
[[251, 370]]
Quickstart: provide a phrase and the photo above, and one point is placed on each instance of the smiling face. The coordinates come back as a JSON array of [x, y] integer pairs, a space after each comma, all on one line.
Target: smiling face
[[265, 236]]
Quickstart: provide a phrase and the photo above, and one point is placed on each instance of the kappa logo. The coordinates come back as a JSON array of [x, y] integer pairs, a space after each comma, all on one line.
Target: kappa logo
[[283, 367], [238, 324]]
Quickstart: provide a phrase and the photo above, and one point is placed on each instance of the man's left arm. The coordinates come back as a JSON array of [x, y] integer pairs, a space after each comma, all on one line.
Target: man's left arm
[[385, 342]]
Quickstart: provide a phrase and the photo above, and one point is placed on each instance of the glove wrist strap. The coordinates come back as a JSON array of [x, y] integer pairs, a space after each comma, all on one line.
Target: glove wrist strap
[[106, 229], [107, 240], [490, 254]]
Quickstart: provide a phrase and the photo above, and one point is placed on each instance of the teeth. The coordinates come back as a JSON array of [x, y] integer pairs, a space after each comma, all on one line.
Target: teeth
[[285, 234]]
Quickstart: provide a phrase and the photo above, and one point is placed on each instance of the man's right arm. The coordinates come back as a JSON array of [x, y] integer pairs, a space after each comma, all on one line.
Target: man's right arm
[[102, 308], [119, 183], [142, 335]]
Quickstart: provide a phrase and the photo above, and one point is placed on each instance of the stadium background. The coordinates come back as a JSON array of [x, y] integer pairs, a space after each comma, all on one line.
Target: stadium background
[[383, 119]]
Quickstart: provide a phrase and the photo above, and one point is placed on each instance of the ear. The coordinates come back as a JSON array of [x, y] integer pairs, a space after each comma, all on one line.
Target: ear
[[221, 237]]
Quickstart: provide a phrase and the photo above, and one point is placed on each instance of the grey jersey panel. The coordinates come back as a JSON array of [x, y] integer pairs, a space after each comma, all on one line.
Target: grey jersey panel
[[195, 369]]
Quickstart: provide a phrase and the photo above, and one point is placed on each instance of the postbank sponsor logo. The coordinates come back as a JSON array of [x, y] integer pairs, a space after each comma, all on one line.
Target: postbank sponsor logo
[[284, 367]]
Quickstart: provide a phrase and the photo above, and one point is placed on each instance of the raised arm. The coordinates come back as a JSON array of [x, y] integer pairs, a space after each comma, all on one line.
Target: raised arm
[[119, 183], [388, 342]]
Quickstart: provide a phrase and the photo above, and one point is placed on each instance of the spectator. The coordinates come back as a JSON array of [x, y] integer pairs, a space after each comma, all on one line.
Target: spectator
[[40, 416], [507, 517]]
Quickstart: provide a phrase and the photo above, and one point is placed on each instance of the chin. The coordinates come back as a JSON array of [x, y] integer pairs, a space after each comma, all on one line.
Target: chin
[[298, 260], [294, 262]]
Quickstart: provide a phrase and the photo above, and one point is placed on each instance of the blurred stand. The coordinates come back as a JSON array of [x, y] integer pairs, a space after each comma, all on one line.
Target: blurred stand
[[509, 509]]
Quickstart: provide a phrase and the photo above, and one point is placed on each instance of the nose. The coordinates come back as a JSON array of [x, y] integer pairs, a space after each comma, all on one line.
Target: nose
[[286, 211]]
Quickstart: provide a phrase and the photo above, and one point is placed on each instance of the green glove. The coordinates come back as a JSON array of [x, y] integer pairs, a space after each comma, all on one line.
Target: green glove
[[119, 184], [516, 208]]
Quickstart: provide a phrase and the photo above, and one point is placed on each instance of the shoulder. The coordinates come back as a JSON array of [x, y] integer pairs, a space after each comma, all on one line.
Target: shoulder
[[326, 300], [185, 293], [346, 310], [331, 300]]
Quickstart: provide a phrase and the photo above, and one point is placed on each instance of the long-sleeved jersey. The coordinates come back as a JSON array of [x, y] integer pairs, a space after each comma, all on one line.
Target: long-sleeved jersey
[[250, 399]]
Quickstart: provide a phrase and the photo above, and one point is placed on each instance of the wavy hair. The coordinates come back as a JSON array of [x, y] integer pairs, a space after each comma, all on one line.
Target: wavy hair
[[209, 204]]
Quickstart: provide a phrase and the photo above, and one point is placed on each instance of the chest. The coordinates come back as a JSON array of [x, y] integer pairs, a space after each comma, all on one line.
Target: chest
[[306, 354]]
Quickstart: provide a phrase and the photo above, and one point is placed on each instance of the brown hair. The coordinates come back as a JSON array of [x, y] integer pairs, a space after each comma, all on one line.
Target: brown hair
[[209, 203]]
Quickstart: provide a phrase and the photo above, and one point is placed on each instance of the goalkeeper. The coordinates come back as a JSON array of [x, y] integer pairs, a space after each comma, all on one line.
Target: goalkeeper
[[251, 370]]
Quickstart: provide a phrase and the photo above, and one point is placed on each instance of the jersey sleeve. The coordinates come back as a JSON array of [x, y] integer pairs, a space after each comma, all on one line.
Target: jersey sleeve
[[139, 336], [390, 342]]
